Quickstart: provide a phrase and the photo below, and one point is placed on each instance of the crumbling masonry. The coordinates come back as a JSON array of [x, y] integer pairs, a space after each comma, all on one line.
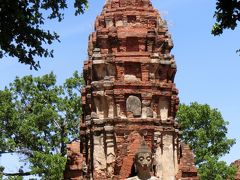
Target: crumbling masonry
[[129, 96]]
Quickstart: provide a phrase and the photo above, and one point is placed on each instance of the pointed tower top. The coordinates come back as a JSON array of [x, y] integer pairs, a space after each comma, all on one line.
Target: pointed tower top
[[135, 4], [131, 20]]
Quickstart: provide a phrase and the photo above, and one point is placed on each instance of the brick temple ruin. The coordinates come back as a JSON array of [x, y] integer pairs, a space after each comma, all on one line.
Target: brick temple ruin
[[129, 96], [237, 165]]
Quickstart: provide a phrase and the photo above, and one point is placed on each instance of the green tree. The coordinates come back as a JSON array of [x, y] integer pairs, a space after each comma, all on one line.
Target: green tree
[[204, 129], [22, 31], [214, 169], [227, 15], [37, 119]]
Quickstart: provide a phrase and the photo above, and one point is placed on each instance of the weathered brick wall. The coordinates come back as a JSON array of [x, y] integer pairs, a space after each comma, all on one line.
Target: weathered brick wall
[[187, 169], [74, 164], [237, 164], [129, 96]]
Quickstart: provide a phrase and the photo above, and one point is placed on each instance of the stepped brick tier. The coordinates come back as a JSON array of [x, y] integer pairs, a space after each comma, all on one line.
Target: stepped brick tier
[[129, 97]]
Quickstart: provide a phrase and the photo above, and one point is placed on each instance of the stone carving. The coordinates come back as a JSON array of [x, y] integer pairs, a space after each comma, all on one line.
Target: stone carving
[[143, 164], [158, 162], [94, 115], [133, 105], [146, 103], [130, 78], [163, 108], [100, 105], [99, 160], [147, 112], [168, 156], [109, 23], [111, 106], [110, 150]]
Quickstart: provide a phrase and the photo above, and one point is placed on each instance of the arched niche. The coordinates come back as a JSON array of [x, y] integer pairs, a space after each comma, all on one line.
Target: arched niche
[[134, 106]]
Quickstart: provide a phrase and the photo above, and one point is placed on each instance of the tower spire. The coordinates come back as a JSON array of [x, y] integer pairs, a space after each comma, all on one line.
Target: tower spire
[[130, 94]]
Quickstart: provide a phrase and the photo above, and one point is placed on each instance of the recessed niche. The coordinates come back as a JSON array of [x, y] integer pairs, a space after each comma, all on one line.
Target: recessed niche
[[131, 19], [99, 70], [132, 44], [102, 23], [132, 71]]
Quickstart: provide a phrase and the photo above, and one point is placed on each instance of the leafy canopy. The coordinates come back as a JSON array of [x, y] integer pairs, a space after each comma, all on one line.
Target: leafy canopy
[[37, 119], [227, 15], [204, 129], [214, 169], [22, 32]]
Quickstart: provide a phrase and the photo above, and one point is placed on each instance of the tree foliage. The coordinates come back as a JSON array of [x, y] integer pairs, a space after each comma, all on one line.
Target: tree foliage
[[204, 129], [214, 169], [227, 15], [22, 32], [37, 119]]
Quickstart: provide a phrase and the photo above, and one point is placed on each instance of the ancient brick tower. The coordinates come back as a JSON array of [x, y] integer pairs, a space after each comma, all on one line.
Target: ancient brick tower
[[129, 96]]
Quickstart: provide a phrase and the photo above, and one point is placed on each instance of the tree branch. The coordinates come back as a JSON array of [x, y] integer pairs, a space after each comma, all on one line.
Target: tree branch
[[25, 152], [18, 174]]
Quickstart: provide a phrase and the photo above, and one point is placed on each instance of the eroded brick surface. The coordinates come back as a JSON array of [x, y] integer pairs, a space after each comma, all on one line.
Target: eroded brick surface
[[237, 164], [74, 166], [187, 169], [130, 95]]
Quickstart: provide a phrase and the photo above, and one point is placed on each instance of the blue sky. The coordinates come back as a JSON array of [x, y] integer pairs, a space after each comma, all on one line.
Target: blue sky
[[208, 67]]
